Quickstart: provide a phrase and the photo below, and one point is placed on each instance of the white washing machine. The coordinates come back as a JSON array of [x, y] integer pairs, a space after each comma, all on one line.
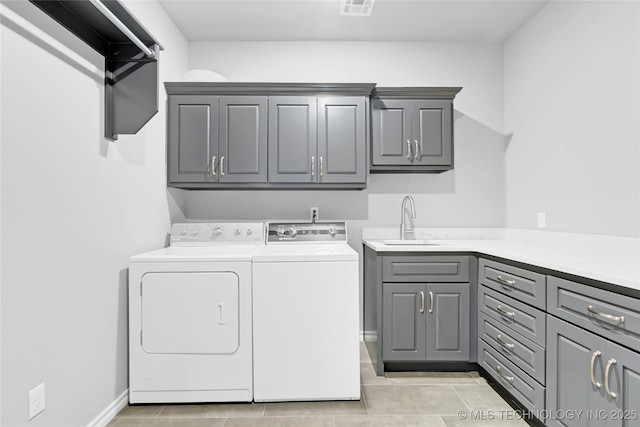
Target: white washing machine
[[305, 314], [190, 320]]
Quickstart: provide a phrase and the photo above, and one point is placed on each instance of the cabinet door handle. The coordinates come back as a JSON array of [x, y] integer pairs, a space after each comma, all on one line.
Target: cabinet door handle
[[499, 371], [408, 149], [430, 302], [607, 371], [313, 165], [505, 344], [222, 166], [510, 314], [321, 166], [213, 166], [504, 281], [618, 319], [594, 356], [416, 155], [421, 302]]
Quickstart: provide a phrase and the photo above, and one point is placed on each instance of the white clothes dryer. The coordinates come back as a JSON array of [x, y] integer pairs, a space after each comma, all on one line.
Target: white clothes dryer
[[190, 320]]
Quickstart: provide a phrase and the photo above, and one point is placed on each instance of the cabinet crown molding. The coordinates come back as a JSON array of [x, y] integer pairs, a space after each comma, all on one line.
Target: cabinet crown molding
[[252, 88], [416, 92]]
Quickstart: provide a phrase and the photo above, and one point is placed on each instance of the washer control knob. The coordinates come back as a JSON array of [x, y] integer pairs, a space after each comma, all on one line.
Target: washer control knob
[[293, 231], [216, 232], [194, 232], [332, 231], [280, 231], [249, 232], [183, 232], [237, 232]]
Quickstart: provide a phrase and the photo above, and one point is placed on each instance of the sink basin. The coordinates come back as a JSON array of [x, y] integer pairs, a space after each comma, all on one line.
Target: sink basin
[[409, 243]]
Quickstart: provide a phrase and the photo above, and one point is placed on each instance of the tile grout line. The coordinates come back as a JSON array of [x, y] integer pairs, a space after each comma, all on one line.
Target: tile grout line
[[461, 398]]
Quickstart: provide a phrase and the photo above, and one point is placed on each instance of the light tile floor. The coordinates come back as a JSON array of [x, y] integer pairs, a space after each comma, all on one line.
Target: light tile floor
[[397, 399]]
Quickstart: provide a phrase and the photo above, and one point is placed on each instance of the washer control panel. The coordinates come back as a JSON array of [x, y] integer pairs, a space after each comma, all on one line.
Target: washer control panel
[[309, 232], [210, 233]]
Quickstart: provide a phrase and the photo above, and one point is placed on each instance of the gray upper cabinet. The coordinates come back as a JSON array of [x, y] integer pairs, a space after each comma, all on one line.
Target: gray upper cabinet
[[193, 138], [217, 139], [292, 138], [342, 140], [412, 129], [242, 139], [268, 135]]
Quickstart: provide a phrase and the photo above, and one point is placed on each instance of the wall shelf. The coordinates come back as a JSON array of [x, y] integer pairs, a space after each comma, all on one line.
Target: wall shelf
[[131, 77]]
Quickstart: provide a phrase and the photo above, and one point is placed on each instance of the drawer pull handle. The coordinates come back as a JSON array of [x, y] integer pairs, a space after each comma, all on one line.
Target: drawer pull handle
[[594, 356], [618, 319], [421, 302], [509, 282], [505, 344], [408, 149], [509, 314], [499, 371], [607, 370], [430, 302]]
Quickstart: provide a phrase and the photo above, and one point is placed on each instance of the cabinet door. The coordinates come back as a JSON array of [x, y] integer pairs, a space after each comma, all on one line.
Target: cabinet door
[[341, 140], [431, 132], [570, 353], [448, 321], [193, 138], [243, 139], [403, 322], [391, 122], [624, 382], [292, 139]]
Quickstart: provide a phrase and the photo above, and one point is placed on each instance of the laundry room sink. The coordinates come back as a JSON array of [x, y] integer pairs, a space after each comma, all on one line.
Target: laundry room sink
[[399, 242]]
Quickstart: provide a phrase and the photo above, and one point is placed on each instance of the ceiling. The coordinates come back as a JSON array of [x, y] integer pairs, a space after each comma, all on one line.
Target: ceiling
[[311, 20]]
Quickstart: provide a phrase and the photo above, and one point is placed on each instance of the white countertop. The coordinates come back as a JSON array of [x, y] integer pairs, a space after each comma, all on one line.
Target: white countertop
[[609, 259]]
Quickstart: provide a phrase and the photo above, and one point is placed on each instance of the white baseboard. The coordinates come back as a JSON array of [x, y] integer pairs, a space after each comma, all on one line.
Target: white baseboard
[[111, 411]]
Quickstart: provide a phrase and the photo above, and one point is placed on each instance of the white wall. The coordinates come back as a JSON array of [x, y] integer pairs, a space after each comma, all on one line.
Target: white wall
[[74, 208], [572, 109], [472, 195]]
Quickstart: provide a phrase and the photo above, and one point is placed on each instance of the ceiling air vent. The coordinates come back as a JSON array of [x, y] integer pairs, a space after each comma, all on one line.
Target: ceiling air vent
[[356, 7]]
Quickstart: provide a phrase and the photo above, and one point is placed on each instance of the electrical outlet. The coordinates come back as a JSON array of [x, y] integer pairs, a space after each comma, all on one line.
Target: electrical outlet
[[314, 212], [36, 401], [542, 219]]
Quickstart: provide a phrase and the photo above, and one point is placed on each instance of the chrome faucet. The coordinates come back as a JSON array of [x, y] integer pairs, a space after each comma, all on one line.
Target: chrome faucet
[[403, 226]]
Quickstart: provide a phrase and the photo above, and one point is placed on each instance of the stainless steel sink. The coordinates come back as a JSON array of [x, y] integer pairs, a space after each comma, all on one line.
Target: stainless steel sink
[[399, 242]]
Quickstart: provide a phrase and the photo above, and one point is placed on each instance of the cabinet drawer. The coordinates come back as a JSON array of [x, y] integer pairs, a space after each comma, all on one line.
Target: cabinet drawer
[[523, 285], [520, 385], [522, 352], [425, 268], [525, 320], [613, 316]]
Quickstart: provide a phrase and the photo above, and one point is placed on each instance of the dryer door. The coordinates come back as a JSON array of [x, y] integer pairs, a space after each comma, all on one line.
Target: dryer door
[[190, 313]]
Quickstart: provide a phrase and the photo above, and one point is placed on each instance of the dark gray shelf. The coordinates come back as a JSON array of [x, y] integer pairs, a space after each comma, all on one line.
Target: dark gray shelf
[[131, 78]]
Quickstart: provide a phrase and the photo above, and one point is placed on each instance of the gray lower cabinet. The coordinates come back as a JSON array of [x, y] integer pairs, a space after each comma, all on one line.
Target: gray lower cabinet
[[217, 139], [425, 322], [590, 373], [412, 129]]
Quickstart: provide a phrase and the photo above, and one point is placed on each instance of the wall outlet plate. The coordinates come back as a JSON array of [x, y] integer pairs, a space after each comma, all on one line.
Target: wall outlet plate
[[36, 401], [314, 213], [542, 219]]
